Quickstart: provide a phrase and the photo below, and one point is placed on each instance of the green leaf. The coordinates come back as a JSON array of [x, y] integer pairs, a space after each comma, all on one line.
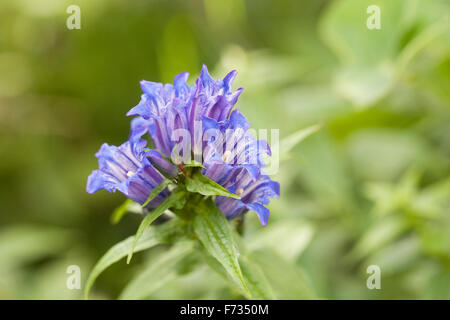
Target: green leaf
[[213, 230], [216, 266], [256, 281], [194, 164], [205, 186], [288, 237], [157, 190], [127, 206], [378, 235], [158, 272], [286, 279], [150, 238], [364, 85], [369, 71], [288, 143], [173, 200], [343, 29]]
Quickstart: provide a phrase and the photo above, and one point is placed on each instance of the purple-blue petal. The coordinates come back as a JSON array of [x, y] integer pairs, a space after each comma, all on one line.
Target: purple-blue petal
[[262, 212], [125, 168], [161, 164]]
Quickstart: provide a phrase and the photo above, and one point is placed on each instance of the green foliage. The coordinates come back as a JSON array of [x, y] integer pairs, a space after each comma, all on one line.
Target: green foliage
[[288, 143], [120, 211], [207, 187], [151, 237], [287, 281], [157, 272], [157, 190], [213, 231], [256, 280], [176, 199], [374, 61], [193, 164], [23, 244]]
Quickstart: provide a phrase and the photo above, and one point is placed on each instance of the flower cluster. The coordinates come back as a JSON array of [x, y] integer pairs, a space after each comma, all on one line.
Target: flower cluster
[[189, 124]]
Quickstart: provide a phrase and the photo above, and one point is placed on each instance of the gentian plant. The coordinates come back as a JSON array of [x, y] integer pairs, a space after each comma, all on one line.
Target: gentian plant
[[199, 167]]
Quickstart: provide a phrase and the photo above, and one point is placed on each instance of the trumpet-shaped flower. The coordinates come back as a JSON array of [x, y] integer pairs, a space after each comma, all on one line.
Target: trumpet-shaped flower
[[234, 159], [127, 169], [202, 112]]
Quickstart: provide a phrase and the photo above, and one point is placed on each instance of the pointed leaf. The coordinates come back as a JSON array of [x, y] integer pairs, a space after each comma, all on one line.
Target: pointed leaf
[[158, 273], [157, 190], [173, 200], [286, 278], [194, 164], [150, 238], [256, 281], [127, 206], [289, 142], [207, 187], [214, 232]]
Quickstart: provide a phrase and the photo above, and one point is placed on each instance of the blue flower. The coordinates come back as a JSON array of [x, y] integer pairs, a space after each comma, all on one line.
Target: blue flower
[[161, 164], [230, 141], [230, 154], [166, 108], [127, 169], [236, 161], [254, 193]]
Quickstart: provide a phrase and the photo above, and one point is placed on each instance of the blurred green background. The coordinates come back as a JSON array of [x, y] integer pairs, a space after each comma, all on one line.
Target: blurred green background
[[371, 187]]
